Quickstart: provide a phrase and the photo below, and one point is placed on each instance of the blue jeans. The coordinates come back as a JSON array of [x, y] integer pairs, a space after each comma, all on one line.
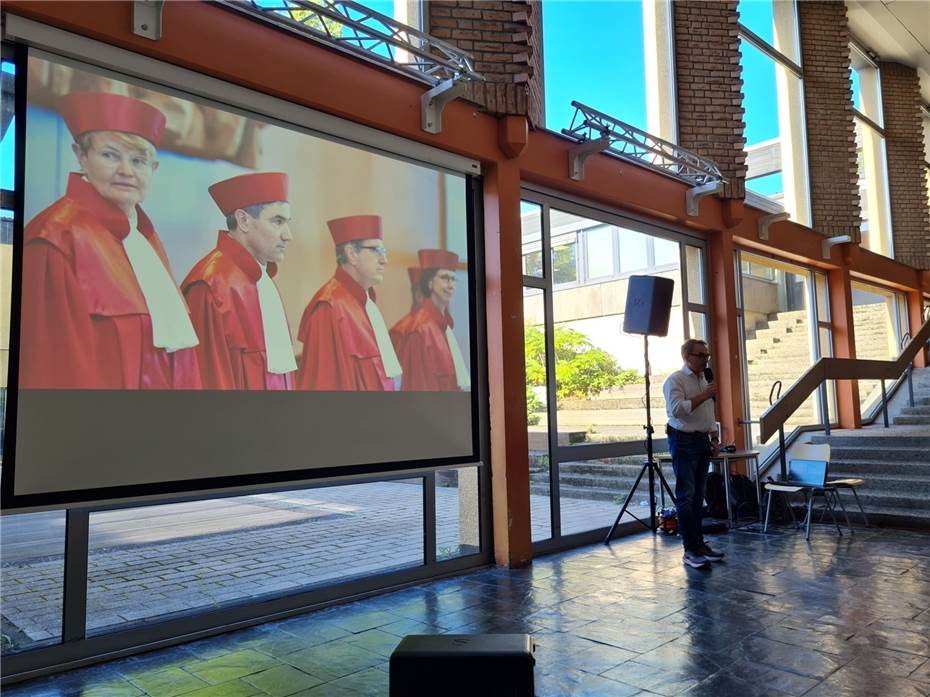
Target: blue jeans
[[690, 460]]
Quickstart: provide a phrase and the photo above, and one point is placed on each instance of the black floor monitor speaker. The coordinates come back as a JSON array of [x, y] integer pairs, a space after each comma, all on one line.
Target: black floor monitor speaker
[[648, 305], [463, 665]]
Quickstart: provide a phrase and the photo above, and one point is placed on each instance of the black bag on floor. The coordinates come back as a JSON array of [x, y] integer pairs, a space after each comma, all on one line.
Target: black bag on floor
[[743, 497], [715, 495]]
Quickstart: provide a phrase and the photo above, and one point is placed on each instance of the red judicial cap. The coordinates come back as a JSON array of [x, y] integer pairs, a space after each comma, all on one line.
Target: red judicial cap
[[355, 227], [102, 111], [249, 190], [438, 259]]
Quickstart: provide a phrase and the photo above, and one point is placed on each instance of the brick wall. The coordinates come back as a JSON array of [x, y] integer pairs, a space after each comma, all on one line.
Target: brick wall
[[505, 40], [904, 144], [708, 75], [831, 135]]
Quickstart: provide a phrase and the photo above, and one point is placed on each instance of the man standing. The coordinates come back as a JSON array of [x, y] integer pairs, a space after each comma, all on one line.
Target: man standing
[[245, 343], [100, 306], [401, 326], [429, 353], [689, 402], [346, 343]]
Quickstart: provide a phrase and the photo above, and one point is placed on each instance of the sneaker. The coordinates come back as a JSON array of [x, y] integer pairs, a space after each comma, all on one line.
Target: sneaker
[[710, 554], [695, 560]]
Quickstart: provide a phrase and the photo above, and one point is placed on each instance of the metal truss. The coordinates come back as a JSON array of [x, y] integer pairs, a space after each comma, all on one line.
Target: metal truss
[[591, 127], [360, 30]]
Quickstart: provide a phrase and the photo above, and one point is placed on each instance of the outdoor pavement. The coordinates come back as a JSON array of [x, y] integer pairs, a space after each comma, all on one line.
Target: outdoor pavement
[[836, 617], [152, 562]]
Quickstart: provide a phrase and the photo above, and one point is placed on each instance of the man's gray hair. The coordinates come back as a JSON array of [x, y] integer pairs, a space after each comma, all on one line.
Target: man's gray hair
[[688, 346], [341, 256]]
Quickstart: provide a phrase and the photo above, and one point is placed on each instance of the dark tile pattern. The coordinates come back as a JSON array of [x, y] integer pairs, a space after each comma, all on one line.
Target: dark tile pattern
[[834, 618]]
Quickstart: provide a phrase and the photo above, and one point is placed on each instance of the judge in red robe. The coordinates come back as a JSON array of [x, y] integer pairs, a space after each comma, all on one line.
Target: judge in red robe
[[429, 353], [245, 342], [100, 306], [399, 330], [346, 343]]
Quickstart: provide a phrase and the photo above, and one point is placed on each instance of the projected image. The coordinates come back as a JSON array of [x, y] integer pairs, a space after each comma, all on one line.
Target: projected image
[[170, 245]]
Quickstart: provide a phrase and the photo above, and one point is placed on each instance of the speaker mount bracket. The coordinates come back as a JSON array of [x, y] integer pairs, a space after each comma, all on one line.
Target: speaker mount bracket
[[769, 220], [578, 154], [694, 195], [831, 242]]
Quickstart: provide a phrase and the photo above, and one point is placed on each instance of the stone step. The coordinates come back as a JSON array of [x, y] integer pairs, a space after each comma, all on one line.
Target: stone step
[[615, 484], [879, 457], [916, 505], [916, 410], [601, 469], [917, 486], [912, 420], [876, 444]]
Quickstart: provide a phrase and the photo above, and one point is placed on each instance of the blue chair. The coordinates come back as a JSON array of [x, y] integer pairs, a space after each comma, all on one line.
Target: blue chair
[[810, 478]]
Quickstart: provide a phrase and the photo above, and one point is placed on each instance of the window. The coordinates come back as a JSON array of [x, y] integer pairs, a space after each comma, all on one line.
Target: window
[[565, 261], [599, 251], [631, 79], [874, 200], [880, 322], [773, 99], [785, 328]]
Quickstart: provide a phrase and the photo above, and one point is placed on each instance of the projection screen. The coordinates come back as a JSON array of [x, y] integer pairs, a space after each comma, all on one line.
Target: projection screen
[[208, 298]]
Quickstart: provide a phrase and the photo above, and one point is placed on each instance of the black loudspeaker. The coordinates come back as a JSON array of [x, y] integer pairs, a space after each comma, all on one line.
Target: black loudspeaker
[[648, 305], [463, 665]]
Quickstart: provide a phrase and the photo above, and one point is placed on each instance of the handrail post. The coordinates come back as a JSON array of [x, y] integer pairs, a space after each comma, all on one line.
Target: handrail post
[[884, 405], [782, 453], [824, 409], [908, 371]]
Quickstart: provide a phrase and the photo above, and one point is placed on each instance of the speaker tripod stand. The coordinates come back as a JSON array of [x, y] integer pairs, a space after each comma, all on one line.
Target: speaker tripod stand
[[649, 466]]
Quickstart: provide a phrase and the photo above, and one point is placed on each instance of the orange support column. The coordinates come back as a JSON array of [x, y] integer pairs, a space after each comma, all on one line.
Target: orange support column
[[915, 309], [724, 338], [510, 474], [844, 345]]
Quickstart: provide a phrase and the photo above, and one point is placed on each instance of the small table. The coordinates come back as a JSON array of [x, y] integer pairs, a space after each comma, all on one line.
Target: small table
[[725, 459]]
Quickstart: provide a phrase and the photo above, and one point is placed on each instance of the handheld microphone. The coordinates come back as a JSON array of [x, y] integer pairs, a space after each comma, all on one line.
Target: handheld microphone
[[709, 376]]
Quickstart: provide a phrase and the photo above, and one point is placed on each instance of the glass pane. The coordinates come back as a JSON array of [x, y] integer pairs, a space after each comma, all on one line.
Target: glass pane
[[823, 297], [874, 202], [876, 334], [757, 16], [775, 132], [565, 263], [156, 561], [694, 257], [593, 491], [774, 22], [614, 79], [697, 325], [458, 525], [32, 549], [666, 252], [600, 251], [531, 236], [8, 127], [537, 422], [779, 340], [598, 369], [633, 254], [866, 85]]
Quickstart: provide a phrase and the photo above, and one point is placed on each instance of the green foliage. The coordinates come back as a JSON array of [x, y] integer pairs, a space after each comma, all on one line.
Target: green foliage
[[534, 405], [581, 369]]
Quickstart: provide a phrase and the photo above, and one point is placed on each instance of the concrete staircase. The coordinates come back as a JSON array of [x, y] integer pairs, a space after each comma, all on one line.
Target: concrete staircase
[[601, 480], [894, 462]]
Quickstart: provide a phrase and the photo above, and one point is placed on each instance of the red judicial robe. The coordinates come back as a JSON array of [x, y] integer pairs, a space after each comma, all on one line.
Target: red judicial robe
[[340, 349], [85, 323], [222, 294], [424, 354], [400, 329]]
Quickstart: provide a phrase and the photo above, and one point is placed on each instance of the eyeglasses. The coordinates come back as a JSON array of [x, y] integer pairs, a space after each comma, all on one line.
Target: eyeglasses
[[700, 355], [379, 250]]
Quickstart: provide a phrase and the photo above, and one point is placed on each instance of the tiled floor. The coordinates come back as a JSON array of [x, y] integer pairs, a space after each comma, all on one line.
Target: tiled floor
[[833, 618]]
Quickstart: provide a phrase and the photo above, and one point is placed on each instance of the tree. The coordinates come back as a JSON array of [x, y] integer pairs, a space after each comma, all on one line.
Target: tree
[[581, 368]]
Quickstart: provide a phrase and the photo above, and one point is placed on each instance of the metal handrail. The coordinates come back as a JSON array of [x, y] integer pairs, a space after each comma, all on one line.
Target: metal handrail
[[839, 369], [352, 27], [636, 145]]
